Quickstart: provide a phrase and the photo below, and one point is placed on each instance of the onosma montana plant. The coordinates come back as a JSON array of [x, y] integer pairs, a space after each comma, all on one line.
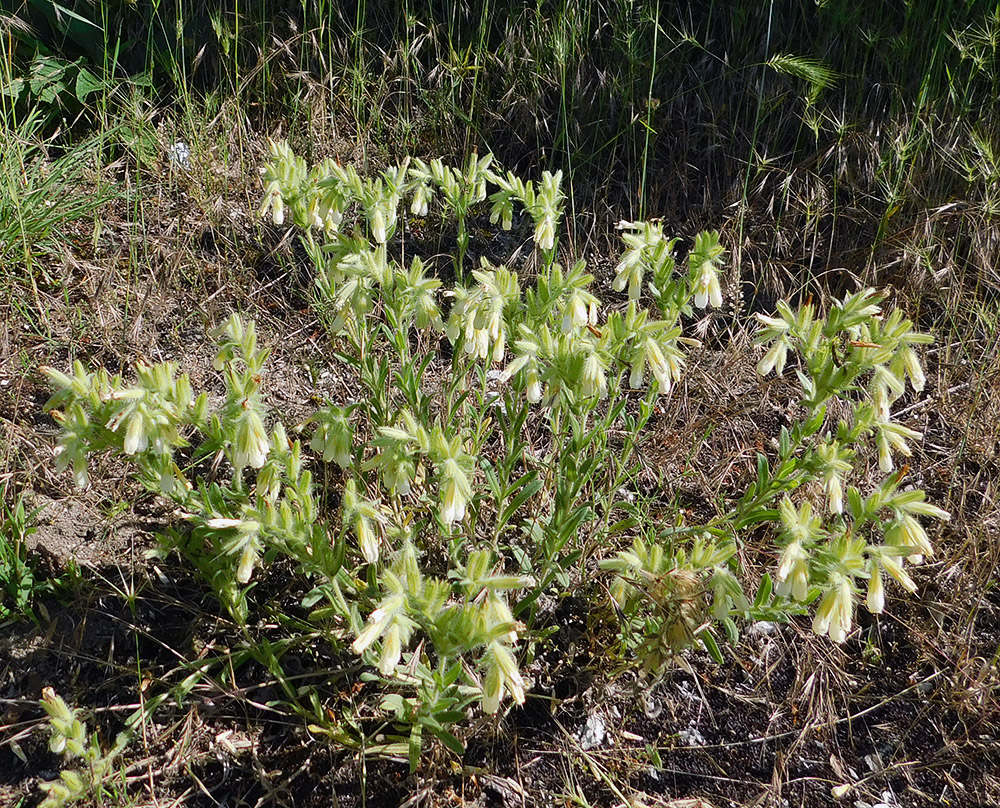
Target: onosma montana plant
[[473, 487]]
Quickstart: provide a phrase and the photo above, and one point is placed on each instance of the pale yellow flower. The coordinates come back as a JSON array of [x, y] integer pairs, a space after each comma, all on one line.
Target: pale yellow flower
[[793, 572], [876, 593], [835, 612]]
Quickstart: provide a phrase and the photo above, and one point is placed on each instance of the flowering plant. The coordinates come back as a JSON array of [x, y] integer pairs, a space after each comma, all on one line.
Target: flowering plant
[[469, 482]]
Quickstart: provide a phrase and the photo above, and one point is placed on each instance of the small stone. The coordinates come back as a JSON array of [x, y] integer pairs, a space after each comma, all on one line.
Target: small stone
[[591, 734], [651, 705], [691, 737], [179, 155]]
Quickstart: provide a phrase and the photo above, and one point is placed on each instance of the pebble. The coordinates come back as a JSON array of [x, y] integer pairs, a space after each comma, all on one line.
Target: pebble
[[179, 155], [762, 628], [591, 734], [691, 737]]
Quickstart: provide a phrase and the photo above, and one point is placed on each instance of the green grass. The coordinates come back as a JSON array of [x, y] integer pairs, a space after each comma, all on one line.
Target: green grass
[[21, 585]]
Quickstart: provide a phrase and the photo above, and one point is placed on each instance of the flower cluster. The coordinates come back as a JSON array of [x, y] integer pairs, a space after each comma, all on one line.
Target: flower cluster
[[854, 348], [69, 738], [399, 451], [478, 618], [146, 416], [478, 318], [544, 205]]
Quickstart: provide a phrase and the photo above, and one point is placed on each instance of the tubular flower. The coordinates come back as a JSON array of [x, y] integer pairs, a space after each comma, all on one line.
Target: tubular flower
[[502, 675], [333, 436], [663, 360], [776, 329], [545, 233], [775, 358], [420, 206], [456, 491], [885, 389], [367, 539], [876, 593], [392, 649], [703, 260], [890, 436], [378, 226], [577, 313], [526, 360], [909, 363], [833, 467], [907, 531], [835, 612], [707, 291], [249, 555], [390, 622], [377, 623], [629, 273], [793, 572], [362, 515], [251, 446], [665, 364], [594, 382], [533, 391], [894, 567]]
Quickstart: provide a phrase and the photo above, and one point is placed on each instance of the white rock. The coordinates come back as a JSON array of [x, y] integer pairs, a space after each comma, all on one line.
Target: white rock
[[762, 628], [591, 734], [691, 737], [179, 155]]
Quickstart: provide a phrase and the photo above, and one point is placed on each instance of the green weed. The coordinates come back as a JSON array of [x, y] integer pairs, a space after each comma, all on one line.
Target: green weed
[[21, 585], [434, 577]]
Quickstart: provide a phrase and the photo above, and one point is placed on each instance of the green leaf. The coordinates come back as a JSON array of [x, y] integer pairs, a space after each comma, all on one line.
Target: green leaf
[[527, 492], [395, 749], [785, 443], [86, 85], [451, 675], [450, 741], [622, 525], [492, 481], [395, 704], [763, 472], [712, 646], [61, 10], [15, 89], [812, 426], [855, 503], [756, 516], [314, 596], [764, 591], [414, 747], [732, 632]]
